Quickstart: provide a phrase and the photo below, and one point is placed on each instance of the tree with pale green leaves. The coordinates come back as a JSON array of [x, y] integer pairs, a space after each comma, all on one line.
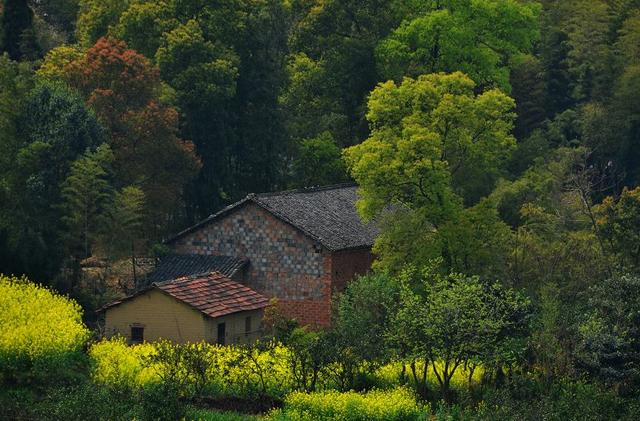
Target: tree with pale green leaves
[[435, 145], [479, 38]]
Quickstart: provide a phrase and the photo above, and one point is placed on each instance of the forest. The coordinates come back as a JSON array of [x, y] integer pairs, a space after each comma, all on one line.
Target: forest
[[493, 143]]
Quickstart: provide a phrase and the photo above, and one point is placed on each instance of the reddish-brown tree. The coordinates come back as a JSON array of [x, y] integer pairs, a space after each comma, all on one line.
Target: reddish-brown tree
[[123, 87]]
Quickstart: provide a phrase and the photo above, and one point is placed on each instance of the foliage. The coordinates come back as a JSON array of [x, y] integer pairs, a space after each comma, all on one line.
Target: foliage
[[85, 401], [460, 320], [17, 21], [434, 144], [478, 38], [619, 223], [42, 332], [203, 415], [228, 371], [87, 192], [55, 61], [307, 357], [319, 162], [123, 88], [398, 404], [362, 314], [609, 333]]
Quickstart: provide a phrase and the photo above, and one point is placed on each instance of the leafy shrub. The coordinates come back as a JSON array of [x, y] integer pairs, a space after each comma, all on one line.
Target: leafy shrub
[[160, 402], [395, 405], [42, 333], [229, 370]]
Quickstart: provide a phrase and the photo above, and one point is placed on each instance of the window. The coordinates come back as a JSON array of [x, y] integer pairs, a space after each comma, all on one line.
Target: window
[[222, 331], [247, 326], [137, 334]]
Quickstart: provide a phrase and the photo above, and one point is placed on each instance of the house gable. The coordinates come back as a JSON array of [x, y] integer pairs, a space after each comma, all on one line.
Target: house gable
[[161, 316], [283, 261]]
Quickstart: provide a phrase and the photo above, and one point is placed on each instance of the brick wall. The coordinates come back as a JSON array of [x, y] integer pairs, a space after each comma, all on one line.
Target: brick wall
[[347, 265], [283, 262]]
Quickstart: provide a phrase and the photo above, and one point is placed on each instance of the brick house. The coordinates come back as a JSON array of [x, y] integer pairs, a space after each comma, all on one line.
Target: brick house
[[298, 246]]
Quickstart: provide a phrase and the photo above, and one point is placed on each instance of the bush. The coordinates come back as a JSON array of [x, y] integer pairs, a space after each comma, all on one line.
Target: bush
[[160, 402], [229, 371], [42, 333], [396, 405], [86, 402]]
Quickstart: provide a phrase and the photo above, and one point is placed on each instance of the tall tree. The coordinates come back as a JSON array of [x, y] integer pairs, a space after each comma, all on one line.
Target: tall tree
[[434, 145], [123, 87], [17, 20], [477, 38]]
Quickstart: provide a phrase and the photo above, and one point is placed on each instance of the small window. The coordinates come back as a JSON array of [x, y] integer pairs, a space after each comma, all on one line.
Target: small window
[[247, 325], [222, 331], [137, 334]]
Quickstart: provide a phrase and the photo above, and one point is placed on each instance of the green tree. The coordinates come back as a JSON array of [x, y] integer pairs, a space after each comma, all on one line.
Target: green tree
[[454, 320], [610, 338], [432, 138], [53, 66], [362, 314], [319, 162], [619, 223], [332, 44], [123, 227], [434, 144], [142, 25], [96, 17], [477, 38], [87, 193], [589, 59], [17, 21]]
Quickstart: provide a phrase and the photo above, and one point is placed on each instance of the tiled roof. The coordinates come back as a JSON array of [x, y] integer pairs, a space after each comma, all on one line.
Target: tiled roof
[[212, 294], [326, 214], [177, 265]]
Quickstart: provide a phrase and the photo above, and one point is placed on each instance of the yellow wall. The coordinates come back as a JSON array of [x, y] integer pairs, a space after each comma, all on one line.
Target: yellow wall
[[235, 327], [164, 317]]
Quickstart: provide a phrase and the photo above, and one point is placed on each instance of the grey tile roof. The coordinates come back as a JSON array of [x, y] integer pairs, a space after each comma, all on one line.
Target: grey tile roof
[[326, 214], [178, 265]]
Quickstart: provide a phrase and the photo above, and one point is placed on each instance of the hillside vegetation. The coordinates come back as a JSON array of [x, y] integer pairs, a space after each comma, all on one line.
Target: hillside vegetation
[[493, 142]]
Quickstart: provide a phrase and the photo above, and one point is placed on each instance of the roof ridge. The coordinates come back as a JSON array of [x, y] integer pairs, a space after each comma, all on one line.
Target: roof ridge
[[185, 278], [303, 190]]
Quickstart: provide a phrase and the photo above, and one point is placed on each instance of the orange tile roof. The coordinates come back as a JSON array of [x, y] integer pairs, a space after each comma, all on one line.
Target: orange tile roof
[[212, 293]]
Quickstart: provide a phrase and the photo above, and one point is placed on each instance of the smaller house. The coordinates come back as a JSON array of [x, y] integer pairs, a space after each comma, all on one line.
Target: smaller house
[[206, 307]]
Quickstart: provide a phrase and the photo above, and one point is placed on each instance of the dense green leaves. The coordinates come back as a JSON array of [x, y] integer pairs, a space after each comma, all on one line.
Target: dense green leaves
[[478, 38], [458, 320]]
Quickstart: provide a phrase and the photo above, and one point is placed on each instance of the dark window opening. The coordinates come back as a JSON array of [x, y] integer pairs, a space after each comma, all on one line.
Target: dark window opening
[[222, 330], [247, 326], [137, 334]]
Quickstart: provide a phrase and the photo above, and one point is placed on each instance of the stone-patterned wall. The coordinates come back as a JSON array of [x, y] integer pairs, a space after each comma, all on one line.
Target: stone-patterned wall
[[283, 262], [347, 265]]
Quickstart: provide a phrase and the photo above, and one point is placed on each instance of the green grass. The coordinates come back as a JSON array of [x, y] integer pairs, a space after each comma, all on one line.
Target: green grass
[[210, 415]]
